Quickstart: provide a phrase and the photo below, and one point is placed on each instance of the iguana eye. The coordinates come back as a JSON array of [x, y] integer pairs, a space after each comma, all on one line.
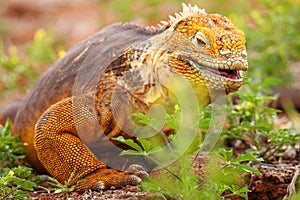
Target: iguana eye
[[200, 40]]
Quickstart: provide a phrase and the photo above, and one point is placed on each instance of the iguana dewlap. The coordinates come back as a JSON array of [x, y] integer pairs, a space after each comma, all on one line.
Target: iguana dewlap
[[124, 62]]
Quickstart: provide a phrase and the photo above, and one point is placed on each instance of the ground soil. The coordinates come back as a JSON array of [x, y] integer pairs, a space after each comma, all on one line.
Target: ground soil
[[74, 21], [277, 182]]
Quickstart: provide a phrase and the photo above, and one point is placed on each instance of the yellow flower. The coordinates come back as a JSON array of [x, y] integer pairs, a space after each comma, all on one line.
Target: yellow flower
[[11, 173], [40, 34], [177, 107], [237, 107], [249, 105], [61, 53]]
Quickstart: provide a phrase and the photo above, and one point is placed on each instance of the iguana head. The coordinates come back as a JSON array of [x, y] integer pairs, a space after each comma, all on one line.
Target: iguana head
[[206, 49]]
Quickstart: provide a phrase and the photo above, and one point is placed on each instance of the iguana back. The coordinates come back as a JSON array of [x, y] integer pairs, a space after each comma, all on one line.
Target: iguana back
[[90, 57]]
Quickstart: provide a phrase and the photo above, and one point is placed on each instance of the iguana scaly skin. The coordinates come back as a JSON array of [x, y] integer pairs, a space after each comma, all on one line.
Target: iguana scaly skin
[[126, 65]]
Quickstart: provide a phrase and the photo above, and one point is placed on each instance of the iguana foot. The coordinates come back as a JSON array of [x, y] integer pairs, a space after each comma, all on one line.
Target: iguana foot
[[106, 178]]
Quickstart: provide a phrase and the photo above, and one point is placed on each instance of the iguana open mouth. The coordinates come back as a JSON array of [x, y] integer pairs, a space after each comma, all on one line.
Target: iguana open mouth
[[231, 74], [235, 75]]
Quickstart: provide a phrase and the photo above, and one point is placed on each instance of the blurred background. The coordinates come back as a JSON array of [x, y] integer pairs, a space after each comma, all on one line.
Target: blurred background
[[34, 33]]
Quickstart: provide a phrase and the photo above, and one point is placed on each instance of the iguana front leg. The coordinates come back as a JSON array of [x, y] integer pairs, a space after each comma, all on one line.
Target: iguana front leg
[[62, 152]]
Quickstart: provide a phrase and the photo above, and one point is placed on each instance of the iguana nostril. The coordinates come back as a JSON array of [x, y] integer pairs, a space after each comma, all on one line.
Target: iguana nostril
[[225, 52]]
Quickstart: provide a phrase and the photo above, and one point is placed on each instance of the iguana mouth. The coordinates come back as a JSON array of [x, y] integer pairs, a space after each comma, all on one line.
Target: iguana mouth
[[230, 74]]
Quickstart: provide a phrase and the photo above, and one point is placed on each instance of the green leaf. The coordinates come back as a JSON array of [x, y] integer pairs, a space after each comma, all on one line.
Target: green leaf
[[129, 142], [227, 154], [145, 144], [244, 189], [247, 168], [58, 191], [204, 123], [247, 157], [271, 81], [5, 131], [28, 185], [144, 119], [131, 152]]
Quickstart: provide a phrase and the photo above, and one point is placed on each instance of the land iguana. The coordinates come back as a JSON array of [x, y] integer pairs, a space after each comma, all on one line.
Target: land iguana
[[132, 65]]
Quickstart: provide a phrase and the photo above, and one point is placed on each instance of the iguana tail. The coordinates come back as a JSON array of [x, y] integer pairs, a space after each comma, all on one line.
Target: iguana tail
[[10, 111]]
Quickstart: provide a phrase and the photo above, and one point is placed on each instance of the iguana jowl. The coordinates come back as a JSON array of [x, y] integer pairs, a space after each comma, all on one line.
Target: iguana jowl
[[129, 61]]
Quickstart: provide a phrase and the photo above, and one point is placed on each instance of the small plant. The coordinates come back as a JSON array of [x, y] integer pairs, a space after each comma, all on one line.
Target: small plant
[[273, 52], [178, 179], [11, 150], [18, 73], [233, 165], [254, 121], [59, 187], [15, 181]]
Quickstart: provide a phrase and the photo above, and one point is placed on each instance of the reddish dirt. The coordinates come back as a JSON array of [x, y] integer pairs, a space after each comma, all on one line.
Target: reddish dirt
[[276, 181], [128, 193], [71, 21]]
